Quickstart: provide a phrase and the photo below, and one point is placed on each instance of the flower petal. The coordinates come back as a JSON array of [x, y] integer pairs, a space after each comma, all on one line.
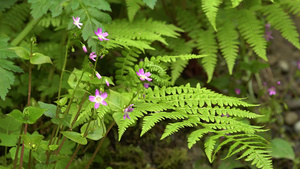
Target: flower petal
[[103, 95], [141, 71], [97, 105], [92, 98], [147, 74], [105, 34], [104, 103], [97, 92]]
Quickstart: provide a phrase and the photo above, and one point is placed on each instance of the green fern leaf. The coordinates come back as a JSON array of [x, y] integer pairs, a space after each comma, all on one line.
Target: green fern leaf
[[228, 42], [189, 21], [252, 30], [235, 3], [209, 146], [280, 20], [208, 46], [210, 7], [132, 7], [197, 135], [150, 3]]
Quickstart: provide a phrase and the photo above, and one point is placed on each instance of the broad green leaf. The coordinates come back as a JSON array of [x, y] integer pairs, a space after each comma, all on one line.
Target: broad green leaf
[[74, 136], [17, 115], [62, 120], [9, 140], [95, 132], [50, 109], [6, 4], [38, 58], [32, 141], [62, 101], [150, 3], [12, 152], [9, 124], [32, 114], [282, 149], [39, 7], [21, 52], [117, 101]]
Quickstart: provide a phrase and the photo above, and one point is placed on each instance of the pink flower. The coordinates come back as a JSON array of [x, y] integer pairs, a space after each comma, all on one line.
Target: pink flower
[[238, 91], [268, 35], [98, 99], [77, 22], [146, 85], [278, 82], [98, 75], [272, 91], [106, 81], [143, 75], [101, 36], [93, 56], [298, 64], [84, 48], [127, 110]]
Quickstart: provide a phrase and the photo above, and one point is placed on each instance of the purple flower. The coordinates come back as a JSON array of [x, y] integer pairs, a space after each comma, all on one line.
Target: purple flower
[[267, 26], [227, 115], [268, 35], [98, 75], [93, 56], [98, 99], [146, 85], [127, 110], [77, 22], [101, 57], [84, 48], [272, 91], [298, 64], [278, 82], [106, 81], [238, 91], [101, 36], [143, 75]]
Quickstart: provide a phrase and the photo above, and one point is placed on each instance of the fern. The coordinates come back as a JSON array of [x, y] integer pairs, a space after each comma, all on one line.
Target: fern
[[207, 45], [251, 29], [132, 7], [235, 3], [210, 7], [7, 67], [201, 108], [228, 41], [282, 22], [139, 34]]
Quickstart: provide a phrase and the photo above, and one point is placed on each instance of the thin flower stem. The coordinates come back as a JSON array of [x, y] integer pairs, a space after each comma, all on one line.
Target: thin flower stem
[[18, 147], [99, 145], [29, 161], [73, 156], [22, 150]]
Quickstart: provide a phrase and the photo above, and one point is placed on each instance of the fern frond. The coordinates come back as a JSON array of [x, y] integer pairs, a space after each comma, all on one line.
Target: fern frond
[[175, 58], [151, 120], [291, 6], [132, 7], [207, 45], [235, 3], [123, 124], [122, 32], [197, 135], [177, 68], [209, 146], [48, 20], [281, 21], [175, 127], [210, 7], [189, 22], [252, 30], [228, 42]]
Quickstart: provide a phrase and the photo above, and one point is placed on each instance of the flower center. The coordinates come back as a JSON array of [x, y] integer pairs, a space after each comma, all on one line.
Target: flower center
[[98, 99], [143, 76], [101, 36]]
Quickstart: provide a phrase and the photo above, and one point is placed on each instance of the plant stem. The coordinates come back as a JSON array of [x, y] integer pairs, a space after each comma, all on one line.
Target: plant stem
[[99, 145], [18, 147], [25, 31], [73, 156]]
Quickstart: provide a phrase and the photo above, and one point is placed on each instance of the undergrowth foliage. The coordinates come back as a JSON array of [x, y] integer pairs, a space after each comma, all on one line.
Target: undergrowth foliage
[[137, 48]]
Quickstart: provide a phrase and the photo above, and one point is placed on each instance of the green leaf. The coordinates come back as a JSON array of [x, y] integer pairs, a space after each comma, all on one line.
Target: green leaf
[[74, 136], [39, 7], [95, 132], [50, 109], [62, 120], [117, 101], [6, 4], [133, 6], [9, 124], [150, 3], [38, 58], [9, 140], [32, 141], [17, 115], [282, 149], [210, 7], [235, 3], [32, 114], [21, 52]]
